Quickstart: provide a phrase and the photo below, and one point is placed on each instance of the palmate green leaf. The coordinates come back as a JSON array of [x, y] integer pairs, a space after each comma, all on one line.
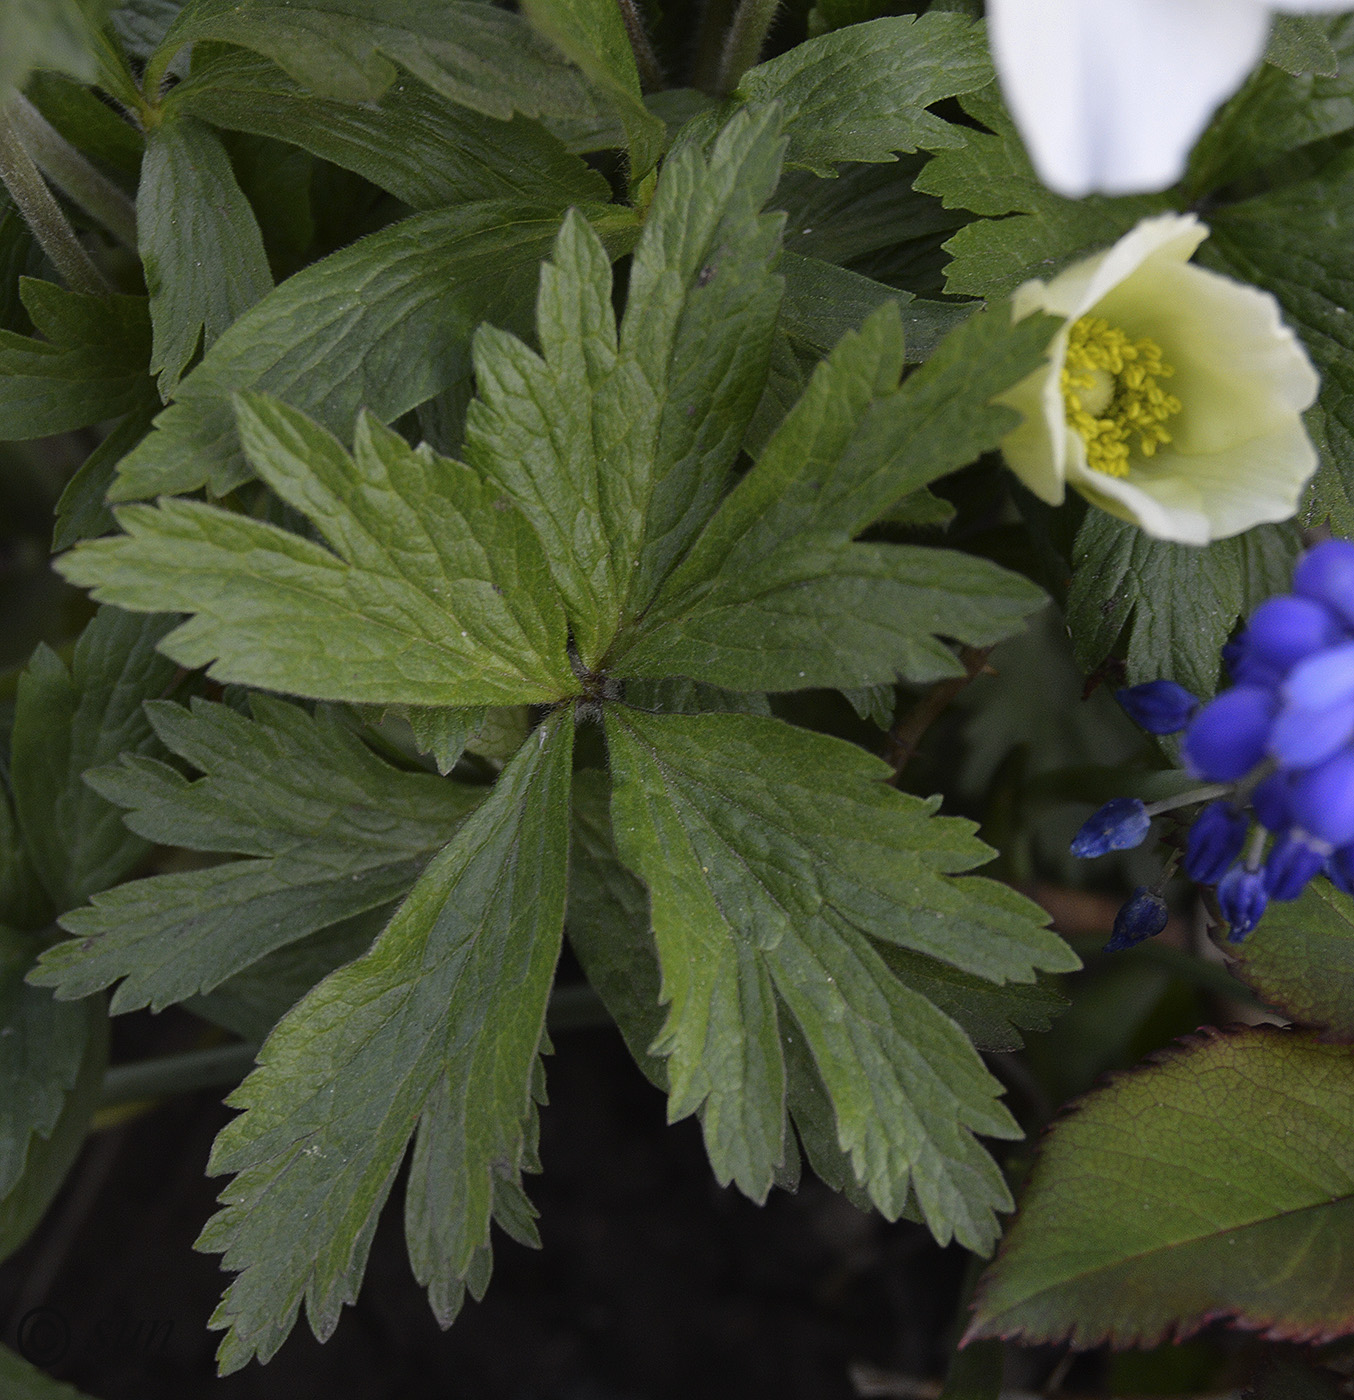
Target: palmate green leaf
[[1122, 581], [1278, 111], [773, 856], [52, 1062], [1215, 1183], [90, 363], [434, 589], [333, 831], [591, 33], [47, 34], [1026, 230], [616, 444], [200, 244], [862, 92], [1300, 960], [383, 325], [69, 720], [422, 147], [437, 1027], [775, 596], [40, 1056], [1294, 242], [141, 25], [477, 55], [82, 513]]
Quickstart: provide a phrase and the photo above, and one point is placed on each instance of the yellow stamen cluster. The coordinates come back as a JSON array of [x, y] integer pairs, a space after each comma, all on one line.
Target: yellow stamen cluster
[[1111, 394]]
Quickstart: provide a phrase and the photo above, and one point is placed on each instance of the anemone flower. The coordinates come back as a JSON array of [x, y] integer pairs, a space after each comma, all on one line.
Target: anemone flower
[[1171, 397], [1110, 95]]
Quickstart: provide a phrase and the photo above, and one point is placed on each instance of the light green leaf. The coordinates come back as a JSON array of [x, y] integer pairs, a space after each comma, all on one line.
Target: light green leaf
[[591, 33], [617, 445], [69, 720], [438, 1027], [23, 1381], [1300, 960], [423, 148], [141, 25], [1294, 242], [775, 596], [1299, 44], [47, 34], [332, 829], [477, 55], [434, 590], [862, 92], [1178, 603], [200, 244], [90, 364], [773, 855], [1040, 233], [1215, 1183], [384, 324]]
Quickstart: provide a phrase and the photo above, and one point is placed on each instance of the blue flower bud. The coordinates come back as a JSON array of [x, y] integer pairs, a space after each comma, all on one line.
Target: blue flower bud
[[1301, 738], [1340, 869], [1272, 801], [1242, 899], [1327, 574], [1144, 916], [1228, 737], [1215, 841], [1292, 863], [1323, 799], [1159, 707], [1324, 679], [1118, 826], [1286, 630]]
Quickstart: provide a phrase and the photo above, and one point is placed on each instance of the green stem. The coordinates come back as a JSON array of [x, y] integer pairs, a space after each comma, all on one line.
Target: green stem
[[72, 174], [743, 44], [715, 18], [646, 60], [43, 214]]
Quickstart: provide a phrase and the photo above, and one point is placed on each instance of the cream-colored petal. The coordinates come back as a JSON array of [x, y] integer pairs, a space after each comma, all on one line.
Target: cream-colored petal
[[1310, 6], [1035, 450], [1253, 483], [1110, 95], [1239, 371], [1168, 508]]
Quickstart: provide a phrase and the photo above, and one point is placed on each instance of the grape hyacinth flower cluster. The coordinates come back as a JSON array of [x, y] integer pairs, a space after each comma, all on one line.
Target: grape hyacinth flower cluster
[[1276, 748]]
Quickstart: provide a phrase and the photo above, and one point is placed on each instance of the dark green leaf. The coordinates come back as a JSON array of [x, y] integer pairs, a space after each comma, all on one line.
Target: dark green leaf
[[434, 591], [47, 34], [592, 34], [334, 831], [1284, 1379], [437, 1027], [862, 93], [82, 513], [1215, 1183], [70, 720], [1300, 960], [384, 324], [1275, 112], [991, 175], [775, 596], [141, 25], [477, 55], [23, 1381], [199, 241], [91, 362], [1178, 602], [423, 148], [768, 852]]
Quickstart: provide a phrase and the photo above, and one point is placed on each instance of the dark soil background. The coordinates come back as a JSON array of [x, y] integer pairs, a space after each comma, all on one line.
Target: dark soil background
[[653, 1283]]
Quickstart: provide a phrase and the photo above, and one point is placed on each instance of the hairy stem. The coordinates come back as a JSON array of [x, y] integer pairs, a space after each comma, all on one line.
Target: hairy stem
[[72, 174], [904, 737], [715, 18], [743, 44], [43, 214], [646, 60]]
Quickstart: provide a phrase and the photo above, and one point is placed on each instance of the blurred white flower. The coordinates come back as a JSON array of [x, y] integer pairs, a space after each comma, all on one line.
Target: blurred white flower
[[1171, 397], [1110, 95]]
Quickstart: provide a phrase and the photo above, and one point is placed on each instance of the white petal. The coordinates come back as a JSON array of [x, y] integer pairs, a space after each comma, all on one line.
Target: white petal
[[1111, 94], [1311, 6]]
